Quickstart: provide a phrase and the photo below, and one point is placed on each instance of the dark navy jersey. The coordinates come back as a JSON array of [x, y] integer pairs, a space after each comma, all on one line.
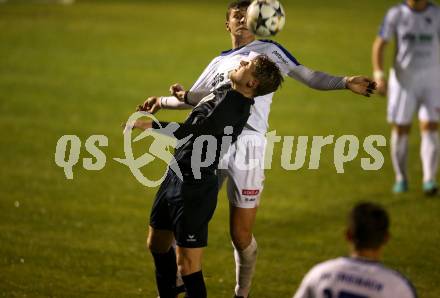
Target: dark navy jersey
[[222, 114]]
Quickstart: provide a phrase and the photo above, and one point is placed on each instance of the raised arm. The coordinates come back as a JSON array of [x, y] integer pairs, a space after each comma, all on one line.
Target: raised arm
[[322, 81], [316, 79], [377, 55], [226, 113], [199, 89]]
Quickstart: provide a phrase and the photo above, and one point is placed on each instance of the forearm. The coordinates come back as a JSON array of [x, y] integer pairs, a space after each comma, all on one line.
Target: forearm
[[318, 80], [172, 103], [194, 97], [377, 56], [160, 128]]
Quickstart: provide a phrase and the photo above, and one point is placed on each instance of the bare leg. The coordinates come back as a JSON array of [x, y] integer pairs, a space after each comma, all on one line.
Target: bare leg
[[399, 153], [429, 148], [189, 261]]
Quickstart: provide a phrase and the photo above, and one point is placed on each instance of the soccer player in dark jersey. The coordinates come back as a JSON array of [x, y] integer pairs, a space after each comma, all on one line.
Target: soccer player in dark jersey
[[182, 209]]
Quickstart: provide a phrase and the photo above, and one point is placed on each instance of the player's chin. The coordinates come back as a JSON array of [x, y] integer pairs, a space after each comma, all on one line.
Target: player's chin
[[242, 30]]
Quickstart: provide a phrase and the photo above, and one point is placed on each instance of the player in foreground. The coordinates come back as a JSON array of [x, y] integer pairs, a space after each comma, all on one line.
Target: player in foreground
[[413, 85], [245, 186], [182, 209], [361, 275]]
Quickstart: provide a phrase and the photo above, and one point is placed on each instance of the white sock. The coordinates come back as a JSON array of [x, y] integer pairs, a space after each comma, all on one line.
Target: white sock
[[245, 261], [399, 153], [429, 153]]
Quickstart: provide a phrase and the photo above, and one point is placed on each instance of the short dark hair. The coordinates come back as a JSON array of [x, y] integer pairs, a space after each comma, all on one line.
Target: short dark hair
[[368, 224], [268, 75], [237, 5]]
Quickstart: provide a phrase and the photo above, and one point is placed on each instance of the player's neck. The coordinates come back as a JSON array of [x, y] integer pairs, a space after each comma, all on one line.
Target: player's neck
[[369, 254], [238, 41], [417, 5], [243, 90]]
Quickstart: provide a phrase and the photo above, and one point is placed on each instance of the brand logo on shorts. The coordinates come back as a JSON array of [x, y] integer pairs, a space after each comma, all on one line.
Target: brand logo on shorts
[[250, 192], [191, 238]]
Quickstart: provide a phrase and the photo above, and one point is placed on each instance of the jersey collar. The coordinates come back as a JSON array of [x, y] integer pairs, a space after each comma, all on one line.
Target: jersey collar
[[428, 5], [227, 52]]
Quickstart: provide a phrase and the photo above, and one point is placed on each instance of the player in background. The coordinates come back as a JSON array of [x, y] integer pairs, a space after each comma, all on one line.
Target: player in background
[[361, 275], [244, 187], [414, 85]]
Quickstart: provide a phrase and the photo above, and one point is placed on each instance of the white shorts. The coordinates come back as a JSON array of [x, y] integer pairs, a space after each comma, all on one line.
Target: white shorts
[[422, 95], [243, 165]]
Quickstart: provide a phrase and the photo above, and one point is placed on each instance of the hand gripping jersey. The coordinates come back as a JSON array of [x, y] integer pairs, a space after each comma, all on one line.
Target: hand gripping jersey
[[217, 74], [354, 278], [417, 36]]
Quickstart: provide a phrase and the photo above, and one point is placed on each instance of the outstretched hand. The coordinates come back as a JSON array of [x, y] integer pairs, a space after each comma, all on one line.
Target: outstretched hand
[[381, 87], [150, 105], [361, 85], [139, 124]]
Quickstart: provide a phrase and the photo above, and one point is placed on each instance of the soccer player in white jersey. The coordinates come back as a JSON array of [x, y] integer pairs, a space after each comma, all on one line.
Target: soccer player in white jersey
[[361, 275], [244, 187], [414, 85]]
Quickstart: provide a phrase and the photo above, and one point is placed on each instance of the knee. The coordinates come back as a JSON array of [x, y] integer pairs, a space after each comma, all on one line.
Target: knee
[[157, 245], [401, 129], [241, 237], [187, 266], [428, 126]]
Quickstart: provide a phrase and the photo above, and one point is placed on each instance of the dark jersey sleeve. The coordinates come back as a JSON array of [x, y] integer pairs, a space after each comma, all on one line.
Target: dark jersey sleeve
[[227, 113]]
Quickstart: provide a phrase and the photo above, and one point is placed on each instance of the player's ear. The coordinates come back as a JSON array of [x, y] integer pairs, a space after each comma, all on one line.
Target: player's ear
[[227, 26], [253, 83], [349, 235], [386, 238]]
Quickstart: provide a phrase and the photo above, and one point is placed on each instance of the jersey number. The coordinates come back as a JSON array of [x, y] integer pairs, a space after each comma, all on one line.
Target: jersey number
[[220, 77], [342, 294]]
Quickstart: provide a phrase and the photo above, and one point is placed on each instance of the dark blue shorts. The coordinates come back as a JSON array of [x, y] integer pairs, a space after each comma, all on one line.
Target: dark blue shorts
[[185, 207]]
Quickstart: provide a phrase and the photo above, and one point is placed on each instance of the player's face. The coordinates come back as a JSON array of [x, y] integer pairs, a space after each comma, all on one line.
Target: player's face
[[415, 3], [236, 24], [244, 74]]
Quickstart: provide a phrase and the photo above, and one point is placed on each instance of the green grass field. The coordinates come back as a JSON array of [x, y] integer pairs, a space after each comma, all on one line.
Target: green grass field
[[82, 69]]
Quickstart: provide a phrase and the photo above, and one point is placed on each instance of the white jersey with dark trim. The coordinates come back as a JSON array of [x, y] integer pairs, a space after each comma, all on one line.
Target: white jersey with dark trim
[[417, 36], [216, 74], [354, 278]]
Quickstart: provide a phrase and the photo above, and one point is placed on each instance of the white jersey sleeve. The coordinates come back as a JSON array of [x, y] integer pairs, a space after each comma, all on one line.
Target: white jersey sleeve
[[198, 90], [172, 103], [202, 86], [317, 79], [289, 66], [388, 28]]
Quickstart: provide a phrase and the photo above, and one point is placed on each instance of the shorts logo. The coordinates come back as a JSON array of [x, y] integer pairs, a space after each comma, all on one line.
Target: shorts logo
[[250, 192], [249, 199], [191, 238]]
